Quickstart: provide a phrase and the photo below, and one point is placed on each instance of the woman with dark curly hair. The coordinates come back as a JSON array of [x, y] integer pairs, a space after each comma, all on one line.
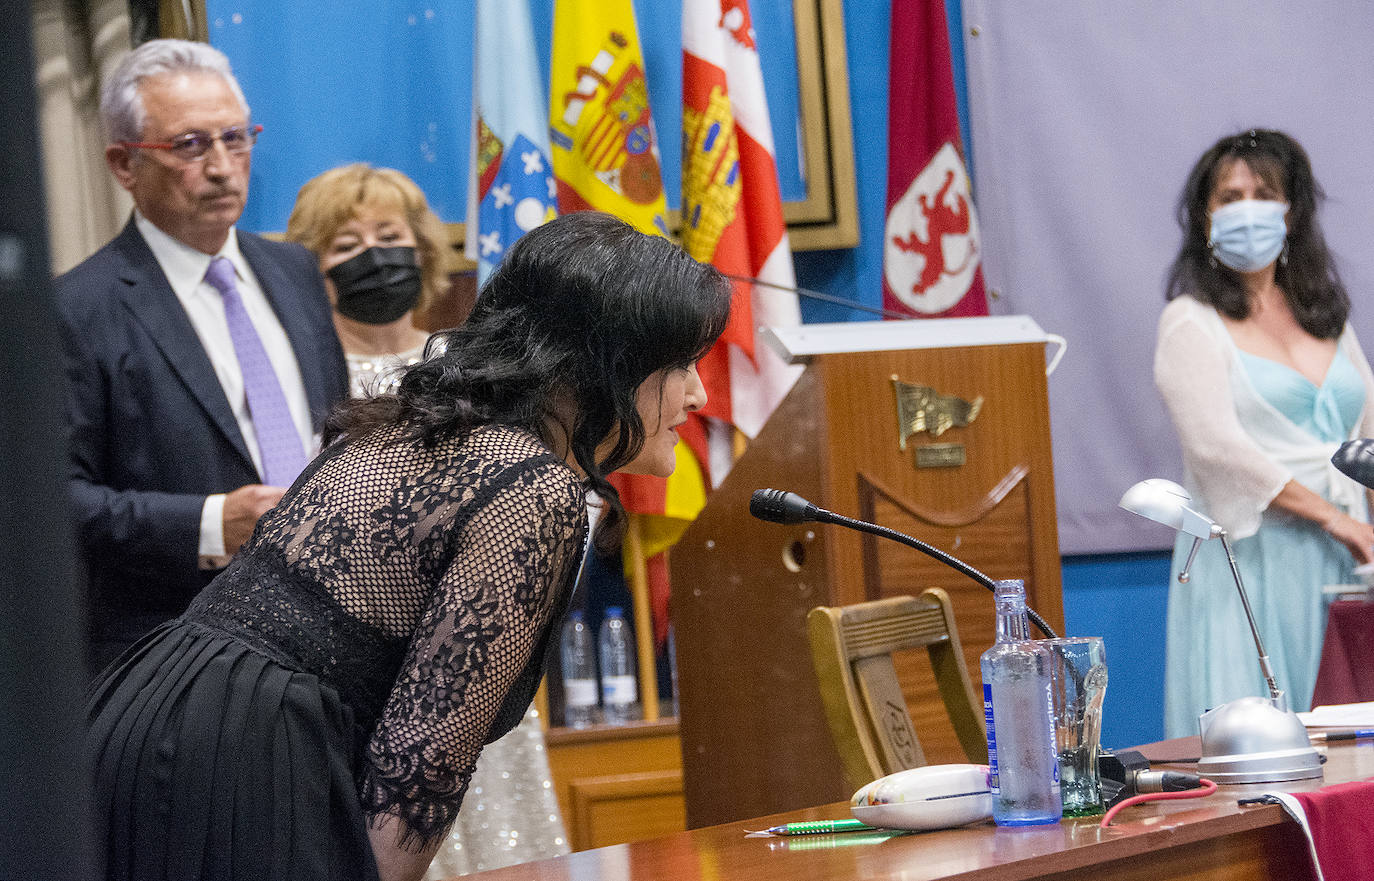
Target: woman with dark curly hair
[[1264, 379], [383, 254], [318, 710]]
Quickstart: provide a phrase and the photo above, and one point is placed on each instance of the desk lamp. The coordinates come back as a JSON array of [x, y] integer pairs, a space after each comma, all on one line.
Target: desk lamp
[[1250, 739]]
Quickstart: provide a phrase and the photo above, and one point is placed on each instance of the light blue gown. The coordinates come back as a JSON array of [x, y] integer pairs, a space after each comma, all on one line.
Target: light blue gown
[[1211, 655]]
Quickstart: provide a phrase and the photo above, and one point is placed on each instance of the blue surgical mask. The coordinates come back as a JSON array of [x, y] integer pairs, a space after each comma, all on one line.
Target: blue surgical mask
[[1249, 234]]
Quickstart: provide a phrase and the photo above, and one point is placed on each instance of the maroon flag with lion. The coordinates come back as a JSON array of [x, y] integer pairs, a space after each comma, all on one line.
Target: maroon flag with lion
[[930, 242]]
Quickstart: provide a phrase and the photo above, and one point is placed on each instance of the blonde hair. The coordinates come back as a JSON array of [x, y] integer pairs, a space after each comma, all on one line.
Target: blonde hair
[[329, 200]]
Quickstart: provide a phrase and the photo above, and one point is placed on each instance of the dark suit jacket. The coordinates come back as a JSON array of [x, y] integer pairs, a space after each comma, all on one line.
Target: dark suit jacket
[[152, 433]]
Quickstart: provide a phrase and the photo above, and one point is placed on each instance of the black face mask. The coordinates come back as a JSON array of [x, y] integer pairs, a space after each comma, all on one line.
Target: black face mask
[[377, 286]]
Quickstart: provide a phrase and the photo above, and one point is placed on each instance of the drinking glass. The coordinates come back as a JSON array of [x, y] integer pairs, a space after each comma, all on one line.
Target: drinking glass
[[1078, 681]]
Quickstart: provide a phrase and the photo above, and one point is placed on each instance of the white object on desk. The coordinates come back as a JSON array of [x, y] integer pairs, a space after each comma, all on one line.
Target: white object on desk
[[931, 797], [1347, 591], [1340, 716]]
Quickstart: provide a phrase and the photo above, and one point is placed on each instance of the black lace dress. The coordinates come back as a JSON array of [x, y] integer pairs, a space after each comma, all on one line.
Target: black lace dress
[[386, 619]]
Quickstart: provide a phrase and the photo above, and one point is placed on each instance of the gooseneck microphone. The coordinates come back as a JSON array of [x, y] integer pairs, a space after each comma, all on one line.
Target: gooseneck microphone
[[1355, 459], [808, 294], [780, 506]]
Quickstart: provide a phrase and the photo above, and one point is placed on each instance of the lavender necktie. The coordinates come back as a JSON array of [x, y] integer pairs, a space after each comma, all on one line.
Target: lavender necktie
[[279, 444]]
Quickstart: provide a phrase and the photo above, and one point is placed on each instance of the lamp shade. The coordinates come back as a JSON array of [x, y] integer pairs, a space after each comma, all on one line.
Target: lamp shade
[[1157, 499]]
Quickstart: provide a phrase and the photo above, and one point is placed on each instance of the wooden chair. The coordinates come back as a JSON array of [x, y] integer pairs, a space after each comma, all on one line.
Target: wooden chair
[[851, 648]]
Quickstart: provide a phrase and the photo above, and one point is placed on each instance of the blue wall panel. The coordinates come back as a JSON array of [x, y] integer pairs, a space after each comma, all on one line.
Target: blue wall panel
[[1121, 598], [346, 82]]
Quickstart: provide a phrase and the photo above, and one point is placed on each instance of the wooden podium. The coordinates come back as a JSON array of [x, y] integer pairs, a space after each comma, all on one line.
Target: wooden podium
[[754, 737]]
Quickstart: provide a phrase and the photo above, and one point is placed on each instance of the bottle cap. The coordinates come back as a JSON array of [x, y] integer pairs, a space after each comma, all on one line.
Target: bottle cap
[[614, 612], [575, 615], [1011, 588]]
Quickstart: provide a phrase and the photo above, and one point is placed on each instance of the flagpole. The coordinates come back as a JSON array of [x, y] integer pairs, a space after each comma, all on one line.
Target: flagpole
[[644, 625]]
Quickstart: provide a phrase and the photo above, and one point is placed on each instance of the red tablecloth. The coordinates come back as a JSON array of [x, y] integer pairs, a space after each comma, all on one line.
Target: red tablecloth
[[1346, 674], [1339, 823]]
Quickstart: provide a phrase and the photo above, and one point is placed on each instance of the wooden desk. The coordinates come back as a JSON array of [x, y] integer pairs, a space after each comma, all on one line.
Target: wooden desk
[[1209, 838]]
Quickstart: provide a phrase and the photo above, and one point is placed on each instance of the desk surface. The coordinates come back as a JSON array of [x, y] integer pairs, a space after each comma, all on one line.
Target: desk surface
[[1209, 837]]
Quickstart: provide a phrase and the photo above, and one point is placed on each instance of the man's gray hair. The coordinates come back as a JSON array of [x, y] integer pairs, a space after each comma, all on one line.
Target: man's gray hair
[[121, 103]]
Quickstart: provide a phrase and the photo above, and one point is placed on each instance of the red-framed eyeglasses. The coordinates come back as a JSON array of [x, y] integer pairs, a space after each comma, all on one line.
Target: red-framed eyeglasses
[[192, 146]]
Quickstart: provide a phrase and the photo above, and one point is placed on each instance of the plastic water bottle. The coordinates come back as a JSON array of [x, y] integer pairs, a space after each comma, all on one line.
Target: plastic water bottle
[[1017, 703], [619, 687], [672, 666], [579, 673]]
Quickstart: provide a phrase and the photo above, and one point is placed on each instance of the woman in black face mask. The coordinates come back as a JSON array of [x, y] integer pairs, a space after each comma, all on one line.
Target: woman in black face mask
[[384, 257]]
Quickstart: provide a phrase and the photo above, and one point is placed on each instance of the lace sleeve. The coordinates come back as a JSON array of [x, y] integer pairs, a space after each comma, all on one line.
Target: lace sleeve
[[1192, 370], [475, 637]]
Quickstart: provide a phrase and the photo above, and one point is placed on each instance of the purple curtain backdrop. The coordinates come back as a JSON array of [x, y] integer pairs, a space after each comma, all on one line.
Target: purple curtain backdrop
[[1086, 118]]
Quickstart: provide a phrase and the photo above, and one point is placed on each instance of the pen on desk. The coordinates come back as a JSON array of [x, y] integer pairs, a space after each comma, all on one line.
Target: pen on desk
[[815, 827], [1348, 734]]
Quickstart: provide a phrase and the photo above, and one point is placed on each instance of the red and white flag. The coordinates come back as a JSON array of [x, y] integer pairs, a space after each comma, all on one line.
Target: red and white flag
[[731, 208], [930, 243]]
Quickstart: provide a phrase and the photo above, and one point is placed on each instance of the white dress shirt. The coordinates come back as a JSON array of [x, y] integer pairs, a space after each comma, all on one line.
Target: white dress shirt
[[185, 269]]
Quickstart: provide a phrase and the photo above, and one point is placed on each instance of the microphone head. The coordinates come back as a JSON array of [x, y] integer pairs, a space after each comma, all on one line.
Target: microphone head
[[1355, 459], [780, 506]]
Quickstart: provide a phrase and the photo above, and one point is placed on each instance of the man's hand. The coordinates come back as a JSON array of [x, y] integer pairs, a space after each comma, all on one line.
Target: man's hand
[[242, 508]]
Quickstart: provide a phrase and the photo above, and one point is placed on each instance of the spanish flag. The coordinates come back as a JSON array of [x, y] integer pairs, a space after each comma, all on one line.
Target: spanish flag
[[605, 158], [605, 155]]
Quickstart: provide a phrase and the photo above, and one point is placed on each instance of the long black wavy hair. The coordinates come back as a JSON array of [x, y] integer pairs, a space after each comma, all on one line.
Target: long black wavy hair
[[1306, 275], [581, 311]]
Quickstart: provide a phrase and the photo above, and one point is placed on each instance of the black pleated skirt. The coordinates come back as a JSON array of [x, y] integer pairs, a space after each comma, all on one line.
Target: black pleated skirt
[[212, 761]]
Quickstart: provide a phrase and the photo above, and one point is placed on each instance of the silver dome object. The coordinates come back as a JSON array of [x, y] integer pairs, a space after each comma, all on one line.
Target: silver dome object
[[1250, 740]]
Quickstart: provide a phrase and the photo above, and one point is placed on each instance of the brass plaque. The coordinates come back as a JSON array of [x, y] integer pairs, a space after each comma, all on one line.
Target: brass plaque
[[940, 456], [921, 408]]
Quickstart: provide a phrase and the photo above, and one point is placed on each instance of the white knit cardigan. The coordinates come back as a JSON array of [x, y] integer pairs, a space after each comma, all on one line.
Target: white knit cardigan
[[1238, 450]]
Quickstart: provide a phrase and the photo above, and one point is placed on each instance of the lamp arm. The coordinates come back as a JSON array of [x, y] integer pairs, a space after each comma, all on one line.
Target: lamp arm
[[1275, 694], [1183, 574], [1195, 524]]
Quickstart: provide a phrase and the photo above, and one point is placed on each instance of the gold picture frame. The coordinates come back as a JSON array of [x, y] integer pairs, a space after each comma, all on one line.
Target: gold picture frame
[[829, 216]]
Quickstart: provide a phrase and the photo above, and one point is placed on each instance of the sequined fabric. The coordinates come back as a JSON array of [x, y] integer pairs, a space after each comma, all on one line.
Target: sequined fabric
[[370, 375], [510, 814]]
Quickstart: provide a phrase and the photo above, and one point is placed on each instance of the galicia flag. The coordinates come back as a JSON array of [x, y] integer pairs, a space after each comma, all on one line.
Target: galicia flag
[[930, 242], [511, 188]]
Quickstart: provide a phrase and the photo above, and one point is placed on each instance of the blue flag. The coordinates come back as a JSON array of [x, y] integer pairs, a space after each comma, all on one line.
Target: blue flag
[[511, 188]]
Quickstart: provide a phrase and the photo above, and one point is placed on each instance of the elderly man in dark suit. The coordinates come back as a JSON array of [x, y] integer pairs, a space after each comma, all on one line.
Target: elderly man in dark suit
[[202, 359]]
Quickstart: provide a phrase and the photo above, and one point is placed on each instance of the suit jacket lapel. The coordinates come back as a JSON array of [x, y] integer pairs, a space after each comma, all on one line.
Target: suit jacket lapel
[[153, 304], [284, 294]]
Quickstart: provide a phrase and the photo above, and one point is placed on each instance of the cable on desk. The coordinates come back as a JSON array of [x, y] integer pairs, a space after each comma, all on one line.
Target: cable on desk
[[1208, 787]]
